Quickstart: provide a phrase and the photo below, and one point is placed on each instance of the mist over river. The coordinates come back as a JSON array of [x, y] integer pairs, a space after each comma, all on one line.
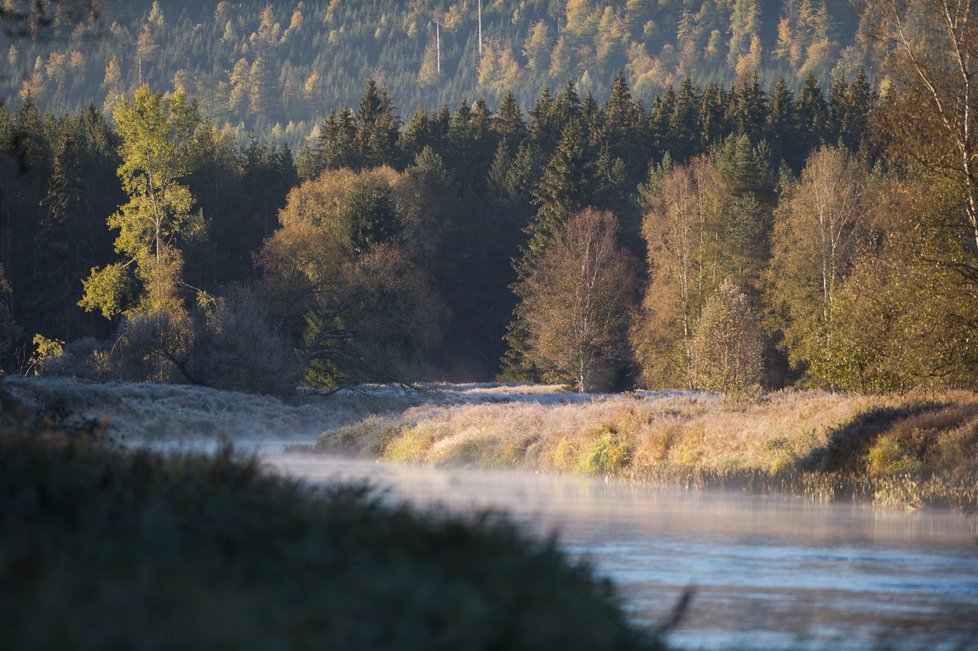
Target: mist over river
[[769, 572]]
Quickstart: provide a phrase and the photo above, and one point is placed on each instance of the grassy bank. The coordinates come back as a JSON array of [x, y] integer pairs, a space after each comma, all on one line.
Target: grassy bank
[[912, 450], [104, 548]]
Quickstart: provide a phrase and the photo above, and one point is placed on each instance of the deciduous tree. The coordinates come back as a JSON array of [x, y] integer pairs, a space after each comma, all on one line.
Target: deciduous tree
[[575, 304], [819, 225], [728, 349], [156, 133]]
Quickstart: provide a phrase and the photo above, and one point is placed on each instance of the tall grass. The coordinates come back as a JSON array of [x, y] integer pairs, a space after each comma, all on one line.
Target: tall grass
[[895, 450]]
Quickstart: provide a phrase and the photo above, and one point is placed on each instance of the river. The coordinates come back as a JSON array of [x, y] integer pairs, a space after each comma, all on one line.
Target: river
[[767, 572]]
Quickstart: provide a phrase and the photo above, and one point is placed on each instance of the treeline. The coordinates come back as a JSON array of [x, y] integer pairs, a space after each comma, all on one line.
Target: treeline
[[276, 68], [394, 258], [59, 184], [720, 238]]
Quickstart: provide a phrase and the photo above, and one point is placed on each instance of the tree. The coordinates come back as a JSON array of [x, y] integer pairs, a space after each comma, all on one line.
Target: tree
[[679, 201], [728, 349], [929, 118], [575, 304], [40, 16], [339, 281], [932, 113], [376, 127], [818, 228], [563, 190], [900, 319], [156, 133]]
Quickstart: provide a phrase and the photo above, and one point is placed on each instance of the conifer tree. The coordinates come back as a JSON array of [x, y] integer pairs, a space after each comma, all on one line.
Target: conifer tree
[[782, 122], [376, 127], [507, 123], [812, 119], [564, 189]]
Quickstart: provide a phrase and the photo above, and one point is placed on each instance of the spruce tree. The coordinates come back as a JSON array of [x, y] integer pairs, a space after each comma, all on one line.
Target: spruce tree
[[377, 127], [507, 123]]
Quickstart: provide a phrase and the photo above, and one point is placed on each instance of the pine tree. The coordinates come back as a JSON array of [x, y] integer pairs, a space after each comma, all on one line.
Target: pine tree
[[714, 124], [812, 119], [684, 123], [624, 129], [565, 188], [751, 110], [336, 146], [782, 123]]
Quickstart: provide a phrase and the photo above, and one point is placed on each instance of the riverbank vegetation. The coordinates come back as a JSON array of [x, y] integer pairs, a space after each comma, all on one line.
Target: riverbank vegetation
[[903, 451], [111, 548]]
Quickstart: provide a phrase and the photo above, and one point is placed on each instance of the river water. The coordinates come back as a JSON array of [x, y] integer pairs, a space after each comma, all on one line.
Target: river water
[[767, 572]]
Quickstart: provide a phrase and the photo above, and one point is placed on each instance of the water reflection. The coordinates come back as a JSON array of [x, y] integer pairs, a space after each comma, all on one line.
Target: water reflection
[[769, 572]]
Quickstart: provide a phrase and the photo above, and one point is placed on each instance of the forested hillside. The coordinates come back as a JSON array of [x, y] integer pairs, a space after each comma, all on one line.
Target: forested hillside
[[277, 68]]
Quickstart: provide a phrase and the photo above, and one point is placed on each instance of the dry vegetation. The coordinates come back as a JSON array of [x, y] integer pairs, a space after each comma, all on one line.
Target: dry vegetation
[[910, 450]]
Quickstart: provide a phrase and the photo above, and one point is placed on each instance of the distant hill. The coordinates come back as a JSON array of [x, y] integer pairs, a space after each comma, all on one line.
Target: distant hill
[[278, 68]]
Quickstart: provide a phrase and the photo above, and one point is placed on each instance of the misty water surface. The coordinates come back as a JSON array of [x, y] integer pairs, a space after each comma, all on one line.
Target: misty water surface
[[768, 571]]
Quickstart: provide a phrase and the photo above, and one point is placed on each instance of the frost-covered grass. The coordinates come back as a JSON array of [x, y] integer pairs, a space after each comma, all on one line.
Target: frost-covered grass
[[105, 547], [899, 450], [170, 412], [896, 450], [150, 411]]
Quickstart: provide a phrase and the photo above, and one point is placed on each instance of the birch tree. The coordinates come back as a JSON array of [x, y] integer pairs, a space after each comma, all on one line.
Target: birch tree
[[675, 229], [931, 53], [576, 303], [817, 230]]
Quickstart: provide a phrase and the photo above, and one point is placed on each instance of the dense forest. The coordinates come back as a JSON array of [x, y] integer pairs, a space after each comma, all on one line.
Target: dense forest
[[277, 68], [728, 234]]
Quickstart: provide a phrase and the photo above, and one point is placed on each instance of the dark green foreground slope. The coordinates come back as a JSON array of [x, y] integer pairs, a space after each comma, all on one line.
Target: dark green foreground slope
[[102, 548]]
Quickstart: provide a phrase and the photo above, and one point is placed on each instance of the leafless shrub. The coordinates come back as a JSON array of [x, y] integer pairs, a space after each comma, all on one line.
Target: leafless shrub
[[236, 348]]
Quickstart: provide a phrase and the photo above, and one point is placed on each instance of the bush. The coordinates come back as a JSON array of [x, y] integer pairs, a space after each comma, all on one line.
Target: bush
[[608, 455], [152, 347], [236, 348], [86, 358]]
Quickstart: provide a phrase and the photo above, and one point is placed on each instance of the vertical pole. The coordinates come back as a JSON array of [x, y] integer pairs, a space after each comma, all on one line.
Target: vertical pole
[[480, 29]]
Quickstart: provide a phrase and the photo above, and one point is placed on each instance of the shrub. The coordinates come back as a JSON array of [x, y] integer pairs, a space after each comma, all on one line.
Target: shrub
[[86, 358], [152, 347], [608, 455], [237, 349]]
